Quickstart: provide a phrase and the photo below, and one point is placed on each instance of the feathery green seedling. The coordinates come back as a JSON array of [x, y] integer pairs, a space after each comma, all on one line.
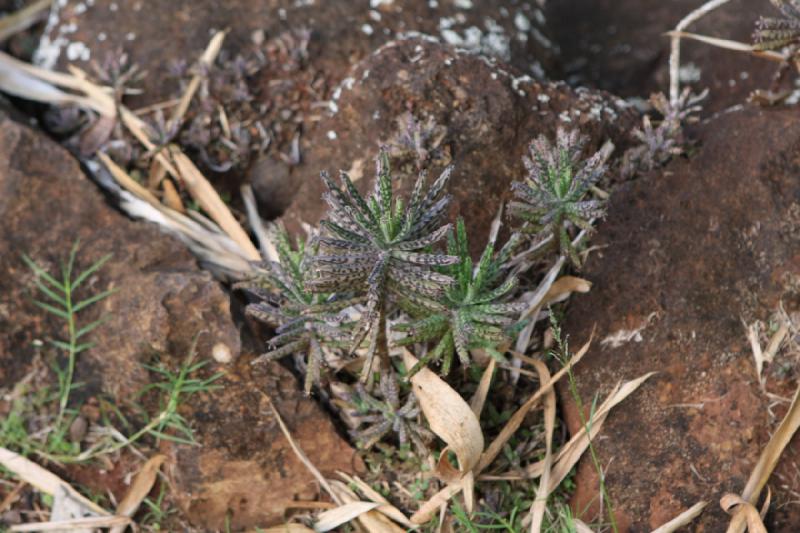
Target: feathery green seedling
[[379, 246], [304, 321], [777, 33], [386, 415], [61, 302], [553, 192], [474, 313]]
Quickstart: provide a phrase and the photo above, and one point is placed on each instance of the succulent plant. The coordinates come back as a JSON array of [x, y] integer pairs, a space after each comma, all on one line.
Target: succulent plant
[[775, 33], [380, 247], [660, 143], [304, 321], [474, 313], [383, 415], [558, 180]]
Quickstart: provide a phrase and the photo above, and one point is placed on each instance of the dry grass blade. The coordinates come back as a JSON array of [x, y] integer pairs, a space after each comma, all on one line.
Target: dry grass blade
[[300, 453], [775, 342], [675, 53], [265, 244], [286, 528], [372, 520], [126, 181], [206, 61], [563, 287], [581, 527], [139, 489], [330, 520], [41, 86], [539, 505], [428, 509], [205, 195], [755, 347], [23, 19], [42, 479], [479, 398], [728, 44], [570, 454], [385, 507], [683, 519], [90, 523], [516, 419], [767, 461]]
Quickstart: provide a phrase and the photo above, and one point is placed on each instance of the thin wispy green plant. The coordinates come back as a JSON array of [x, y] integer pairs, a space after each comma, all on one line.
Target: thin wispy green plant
[[59, 298]]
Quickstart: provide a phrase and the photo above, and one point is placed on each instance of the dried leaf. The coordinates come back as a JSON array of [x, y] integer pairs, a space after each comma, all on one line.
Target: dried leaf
[[449, 416], [140, 488], [563, 287], [385, 507], [539, 505], [343, 514], [683, 519], [43, 479]]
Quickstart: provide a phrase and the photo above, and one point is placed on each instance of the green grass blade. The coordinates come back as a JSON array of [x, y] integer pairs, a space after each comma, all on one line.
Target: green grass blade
[[51, 309], [91, 270], [93, 299]]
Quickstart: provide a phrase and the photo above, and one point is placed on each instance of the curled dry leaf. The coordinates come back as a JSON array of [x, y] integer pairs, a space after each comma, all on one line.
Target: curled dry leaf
[[385, 507], [744, 514], [563, 287], [372, 520]]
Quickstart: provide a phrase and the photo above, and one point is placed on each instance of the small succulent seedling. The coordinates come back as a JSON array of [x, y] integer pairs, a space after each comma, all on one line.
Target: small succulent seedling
[[776, 33], [553, 193], [379, 247], [658, 144], [304, 321], [474, 313], [384, 414]]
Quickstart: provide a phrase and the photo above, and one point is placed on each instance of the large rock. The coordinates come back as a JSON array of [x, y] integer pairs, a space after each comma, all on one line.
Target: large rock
[[162, 299], [480, 114], [620, 46], [155, 33], [163, 302], [687, 256]]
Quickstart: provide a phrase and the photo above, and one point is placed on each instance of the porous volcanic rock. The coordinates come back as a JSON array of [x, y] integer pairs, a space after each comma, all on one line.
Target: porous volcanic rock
[[155, 34], [687, 256], [162, 299], [482, 116], [620, 46]]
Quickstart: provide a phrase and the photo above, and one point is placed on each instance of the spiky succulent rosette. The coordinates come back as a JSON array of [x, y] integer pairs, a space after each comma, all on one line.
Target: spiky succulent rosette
[[384, 414], [553, 193], [476, 312], [304, 322], [776, 33], [379, 247]]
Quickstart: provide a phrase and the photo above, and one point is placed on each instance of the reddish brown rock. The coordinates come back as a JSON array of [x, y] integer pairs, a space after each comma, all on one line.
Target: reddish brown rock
[[162, 299], [157, 33], [686, 256], [481, 116], [619, 46], [244, 469]]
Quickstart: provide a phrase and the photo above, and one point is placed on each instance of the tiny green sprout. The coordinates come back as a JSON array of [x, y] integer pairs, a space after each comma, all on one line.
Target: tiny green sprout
[[776, 33], [552, 195], [379, 247], [475, 313], [304, 321]]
